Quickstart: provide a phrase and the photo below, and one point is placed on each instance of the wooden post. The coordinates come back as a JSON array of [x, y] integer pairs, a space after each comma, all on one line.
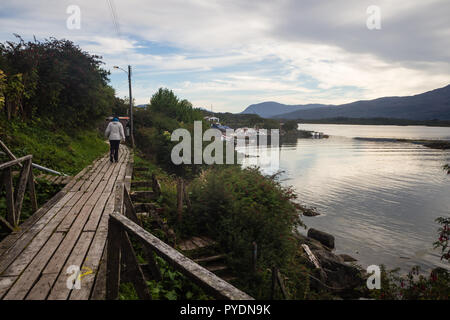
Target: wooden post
[[10, 208], [8, 152], [32, 189], [281, 284], [254, 255], [179, 199], [274, 283], [113, 260], [130, 211], [156, 186], [186, 197], [156, 272], [20, 191], [134, 270]]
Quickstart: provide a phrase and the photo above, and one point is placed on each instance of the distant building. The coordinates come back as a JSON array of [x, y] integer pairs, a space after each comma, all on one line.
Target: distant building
[[212, 119]]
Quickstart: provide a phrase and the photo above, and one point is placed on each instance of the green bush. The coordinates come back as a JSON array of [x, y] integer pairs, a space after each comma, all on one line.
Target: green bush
[[240, 206]]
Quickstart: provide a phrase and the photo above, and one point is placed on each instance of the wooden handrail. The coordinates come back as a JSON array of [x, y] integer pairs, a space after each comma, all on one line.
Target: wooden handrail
[[201, 276], [15, 196], [14, 162]]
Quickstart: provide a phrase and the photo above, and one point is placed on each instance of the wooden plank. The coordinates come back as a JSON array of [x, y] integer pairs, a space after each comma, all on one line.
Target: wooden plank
[[30, 227], [5, 284], [204, 278], [20, 288], [67, 200], [113, 260], [60, 290], [92, 262], [62, 250], [141, 184], [99, 289], [94, 256], [24, 258]]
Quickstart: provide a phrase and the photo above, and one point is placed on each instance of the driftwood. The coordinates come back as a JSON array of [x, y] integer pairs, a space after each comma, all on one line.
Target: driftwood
[[311, 256]]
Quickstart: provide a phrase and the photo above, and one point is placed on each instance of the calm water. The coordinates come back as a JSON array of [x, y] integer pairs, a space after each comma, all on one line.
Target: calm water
[[379, 199]]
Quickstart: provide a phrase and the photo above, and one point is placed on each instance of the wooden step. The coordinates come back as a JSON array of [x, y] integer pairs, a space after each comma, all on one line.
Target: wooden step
[[216, 268], [142, 196], [228, 278], [144, 207], [141, 184], [210, 258]]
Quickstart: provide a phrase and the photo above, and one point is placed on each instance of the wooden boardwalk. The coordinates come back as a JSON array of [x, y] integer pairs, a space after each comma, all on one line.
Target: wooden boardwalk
[[68, 232]]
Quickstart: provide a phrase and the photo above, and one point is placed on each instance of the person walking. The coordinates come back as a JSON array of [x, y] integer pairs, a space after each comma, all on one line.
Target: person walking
[[114, 132]]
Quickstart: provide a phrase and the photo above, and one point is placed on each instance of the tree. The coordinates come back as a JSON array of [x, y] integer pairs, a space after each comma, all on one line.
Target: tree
[[55, 79]]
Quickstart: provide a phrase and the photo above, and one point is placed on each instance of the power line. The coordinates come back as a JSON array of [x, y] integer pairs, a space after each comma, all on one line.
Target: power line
[[115, 21]]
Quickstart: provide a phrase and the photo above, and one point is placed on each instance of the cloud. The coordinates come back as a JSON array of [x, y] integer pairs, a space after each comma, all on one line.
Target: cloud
[[234, 53]]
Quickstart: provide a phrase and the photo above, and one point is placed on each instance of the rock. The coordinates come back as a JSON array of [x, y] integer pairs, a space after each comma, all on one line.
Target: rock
[[338, 274], [310, 212], [324, 238], [312, 244], [347, 258]]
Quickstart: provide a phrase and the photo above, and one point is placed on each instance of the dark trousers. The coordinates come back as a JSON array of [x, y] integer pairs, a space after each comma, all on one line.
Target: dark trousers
[[114, 150]]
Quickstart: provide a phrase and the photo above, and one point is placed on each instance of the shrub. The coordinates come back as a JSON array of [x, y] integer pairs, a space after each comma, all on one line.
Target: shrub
[[240, 206]]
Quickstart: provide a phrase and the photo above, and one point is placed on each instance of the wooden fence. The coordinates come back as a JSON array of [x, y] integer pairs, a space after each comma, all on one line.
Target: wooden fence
[[14, 196], [123, 222]]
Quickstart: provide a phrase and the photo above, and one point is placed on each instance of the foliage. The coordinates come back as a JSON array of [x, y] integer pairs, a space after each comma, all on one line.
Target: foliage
[[413, 286], [290, 125], [2, 89], [67, 152], [54, 79], [444, 237], [164, 101], [447, 168], [154, 125], [240, 206]]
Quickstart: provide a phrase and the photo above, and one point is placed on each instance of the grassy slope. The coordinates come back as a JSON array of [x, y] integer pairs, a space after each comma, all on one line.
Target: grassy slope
[[57, 150]]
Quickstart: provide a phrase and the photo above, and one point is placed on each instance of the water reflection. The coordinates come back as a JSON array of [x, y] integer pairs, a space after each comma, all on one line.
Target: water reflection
[[379, 199]]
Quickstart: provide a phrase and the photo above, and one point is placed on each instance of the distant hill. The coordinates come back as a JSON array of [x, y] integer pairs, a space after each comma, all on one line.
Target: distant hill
[[270, 109], [430, 105]]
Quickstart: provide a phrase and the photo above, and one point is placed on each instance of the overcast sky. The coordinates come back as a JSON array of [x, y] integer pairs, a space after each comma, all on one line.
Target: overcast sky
[[233, 53]]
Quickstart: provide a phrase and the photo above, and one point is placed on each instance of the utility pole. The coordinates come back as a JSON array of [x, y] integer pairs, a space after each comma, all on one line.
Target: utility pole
[[131, 108], [131, 103]]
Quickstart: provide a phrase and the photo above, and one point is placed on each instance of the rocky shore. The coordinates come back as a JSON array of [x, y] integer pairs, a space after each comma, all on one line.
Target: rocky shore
[[334, 272]]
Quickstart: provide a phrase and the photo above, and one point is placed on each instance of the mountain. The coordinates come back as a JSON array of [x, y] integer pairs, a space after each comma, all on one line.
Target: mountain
[[270, 109], [430, 105]]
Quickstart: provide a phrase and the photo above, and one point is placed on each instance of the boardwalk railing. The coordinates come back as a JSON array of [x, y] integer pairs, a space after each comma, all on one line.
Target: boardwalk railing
[[14, 196], [120, 253]]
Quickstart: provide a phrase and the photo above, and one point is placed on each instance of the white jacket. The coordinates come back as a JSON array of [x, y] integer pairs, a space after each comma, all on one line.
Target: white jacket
[[114, 131]]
